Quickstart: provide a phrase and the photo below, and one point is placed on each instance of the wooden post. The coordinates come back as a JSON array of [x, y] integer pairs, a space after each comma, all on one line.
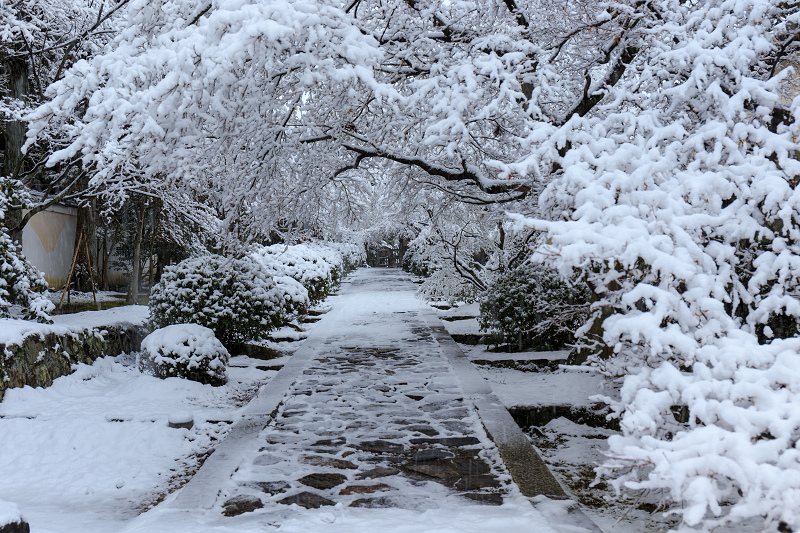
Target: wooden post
[[89, 265], [71, 270]]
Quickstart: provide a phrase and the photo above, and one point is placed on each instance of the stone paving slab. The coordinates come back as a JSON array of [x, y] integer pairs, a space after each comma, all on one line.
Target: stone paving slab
[[370, 413]]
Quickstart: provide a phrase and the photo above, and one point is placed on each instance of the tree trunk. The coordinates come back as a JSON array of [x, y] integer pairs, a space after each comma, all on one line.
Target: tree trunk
[[102, 260], [156, 220], [14, 138], [133, 292], [108, 251]]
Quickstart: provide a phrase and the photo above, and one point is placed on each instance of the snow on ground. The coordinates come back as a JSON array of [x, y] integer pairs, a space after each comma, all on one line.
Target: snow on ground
[[520, 389], [467, 310], [134, 314], [78, 297], [481, 353], [13, 331], [94, 449], [462, 327], [458, 517], [516, 388], [287, 333]]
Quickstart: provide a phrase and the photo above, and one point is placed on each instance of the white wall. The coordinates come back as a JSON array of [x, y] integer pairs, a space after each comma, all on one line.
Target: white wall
[[48, 242]]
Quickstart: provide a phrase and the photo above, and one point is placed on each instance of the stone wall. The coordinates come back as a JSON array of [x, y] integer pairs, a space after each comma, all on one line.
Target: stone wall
[[41, 358]]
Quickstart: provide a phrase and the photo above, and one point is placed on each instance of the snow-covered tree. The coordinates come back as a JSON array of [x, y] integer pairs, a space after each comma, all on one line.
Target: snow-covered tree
[[39, 41], [676, 197], [21, 284], [205, 96], [659, 128]]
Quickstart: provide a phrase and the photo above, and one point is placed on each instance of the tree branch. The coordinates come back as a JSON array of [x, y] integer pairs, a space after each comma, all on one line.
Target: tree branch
[[467, 172]]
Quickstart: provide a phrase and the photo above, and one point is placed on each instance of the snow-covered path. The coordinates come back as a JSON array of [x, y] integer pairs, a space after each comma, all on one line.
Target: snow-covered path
[[374, 435]]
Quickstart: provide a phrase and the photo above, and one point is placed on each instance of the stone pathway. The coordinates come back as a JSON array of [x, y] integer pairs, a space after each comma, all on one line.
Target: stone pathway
[[376, 419], [369, 413]]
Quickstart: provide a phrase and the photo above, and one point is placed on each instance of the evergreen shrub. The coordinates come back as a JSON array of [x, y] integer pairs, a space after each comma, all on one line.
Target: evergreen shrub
[[302, 263], [186, 351], [533, 307], [235, 298], [22, 286]]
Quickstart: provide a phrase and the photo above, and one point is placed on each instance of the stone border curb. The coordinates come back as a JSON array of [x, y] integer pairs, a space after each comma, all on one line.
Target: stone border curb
[[202, 491], [527, 469]]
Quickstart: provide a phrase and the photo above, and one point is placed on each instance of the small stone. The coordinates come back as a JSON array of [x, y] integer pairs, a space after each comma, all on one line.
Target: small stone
[[414, 397], [330, 442], [454, 414], [407, 421], [424, 429], [480, 481], [241, 504], [361, 424], [455, 425], [380, 446], [431, 455], [378, 472], [372, 503], [332, 462], [268, 368], [266, 459], [182, 420], [272, 487], [448, 441], [365, 489], [488, 498], [438, 471], [322, 481], [309, 500], [470, 466]]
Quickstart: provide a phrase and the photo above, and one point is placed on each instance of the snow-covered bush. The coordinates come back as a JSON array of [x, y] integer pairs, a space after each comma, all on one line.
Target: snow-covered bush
[[333, 257], [300, 262], [11, 519], [233, 297], [188, 351], [353, 255], [415, 262], [293, 296], [533, 306], [21, 284]]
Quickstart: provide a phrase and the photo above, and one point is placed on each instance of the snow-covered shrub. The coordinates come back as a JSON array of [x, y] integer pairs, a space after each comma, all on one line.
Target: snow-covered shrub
[[414, 262], [11, 519], [333, 257], [300, 262], [344, 257], [188, 351], [533, 306], [292, 294], [233, 297], [353, 255], [21, 284]]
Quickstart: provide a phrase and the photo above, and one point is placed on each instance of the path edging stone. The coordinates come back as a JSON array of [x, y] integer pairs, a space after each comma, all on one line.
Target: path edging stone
[[201, 492], [528, 471]]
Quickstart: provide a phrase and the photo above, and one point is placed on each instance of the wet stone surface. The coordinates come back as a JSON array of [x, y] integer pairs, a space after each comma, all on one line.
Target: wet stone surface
[[322, 480], [240, 505], [377, 419], [309, 500]]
